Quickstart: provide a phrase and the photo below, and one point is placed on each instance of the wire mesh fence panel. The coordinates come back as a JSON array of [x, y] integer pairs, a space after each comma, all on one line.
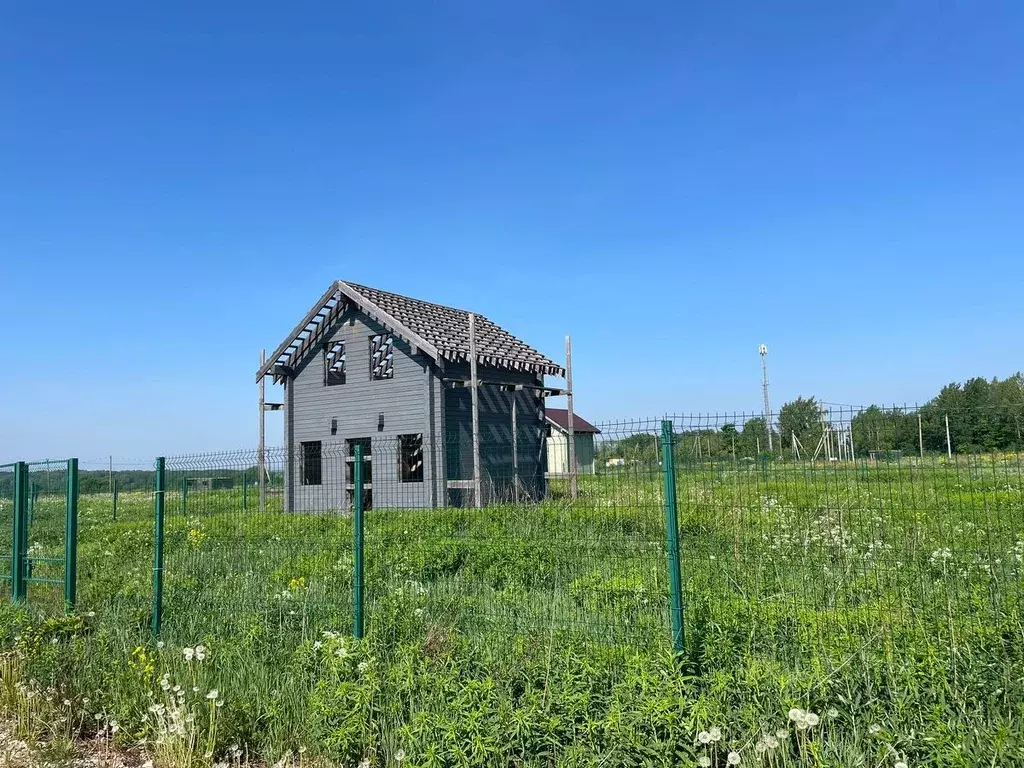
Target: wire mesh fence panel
[[115, 552], [236, 560], [527, 559], [841, 548], [6, 529], [47, 503]]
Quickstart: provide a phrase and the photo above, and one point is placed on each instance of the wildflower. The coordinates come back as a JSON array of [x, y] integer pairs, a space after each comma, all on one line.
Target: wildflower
[[833, 713], [771, 742], [91, 614], [796, 714], [399, 755], [704, 737], [781, 733], [67, 703], [195, 689], [341, 652], [811, 719], [900, 764], [159, 644], [715, 733], [362, 666], [189, 653], [200, 653], [874, 729], [213, 695], [733, 758], [704, 761], [364, 763]]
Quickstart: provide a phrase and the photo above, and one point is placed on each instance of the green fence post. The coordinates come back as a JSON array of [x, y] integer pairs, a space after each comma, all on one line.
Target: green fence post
[[357, 520], [245, 492], [19, 538], [158, 547], [115, 500], [71, 538], [668, 466], [184, 495]]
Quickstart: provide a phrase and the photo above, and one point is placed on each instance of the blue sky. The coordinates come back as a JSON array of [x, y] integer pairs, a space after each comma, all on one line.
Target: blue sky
[[672, 183]]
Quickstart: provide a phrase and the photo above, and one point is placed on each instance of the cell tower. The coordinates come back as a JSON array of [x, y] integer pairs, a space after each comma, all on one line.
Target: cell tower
[[763, 351]]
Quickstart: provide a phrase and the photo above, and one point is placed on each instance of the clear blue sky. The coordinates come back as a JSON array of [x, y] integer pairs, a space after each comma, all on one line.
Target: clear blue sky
[[673, 183]]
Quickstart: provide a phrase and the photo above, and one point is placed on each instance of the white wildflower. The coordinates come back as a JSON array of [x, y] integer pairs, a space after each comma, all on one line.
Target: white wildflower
[[213, 695], [811, 719], [715, 733], [704, 761], [874, 729], [189, 653], [200, 653], [399, 755], [733, 758], [833, 713], [900, 764], [796, 714], [704, 737]]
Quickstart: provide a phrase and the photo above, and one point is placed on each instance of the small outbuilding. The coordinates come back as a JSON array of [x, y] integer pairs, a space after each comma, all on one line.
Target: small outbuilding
[[557, 420], [394, 375]]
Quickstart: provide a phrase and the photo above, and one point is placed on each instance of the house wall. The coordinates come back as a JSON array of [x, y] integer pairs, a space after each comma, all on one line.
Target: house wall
[[558, 452], [498, 471], [405, 401]]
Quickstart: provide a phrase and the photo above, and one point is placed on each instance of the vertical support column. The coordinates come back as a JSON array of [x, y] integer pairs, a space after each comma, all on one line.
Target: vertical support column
[[158, 546], [949, 443], [261, 453], [357, 535], [245, 491], [184, 494], [19, 538], [574, 481], [115, 500], [474, 383], [675, 581], [920, 435], [71, 538], [515, 444]]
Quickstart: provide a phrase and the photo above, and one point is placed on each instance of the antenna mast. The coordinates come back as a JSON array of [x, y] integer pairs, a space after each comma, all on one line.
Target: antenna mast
[[763, 351]]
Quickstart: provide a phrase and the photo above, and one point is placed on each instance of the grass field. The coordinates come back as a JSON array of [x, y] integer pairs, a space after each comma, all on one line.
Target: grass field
[[884, 600]]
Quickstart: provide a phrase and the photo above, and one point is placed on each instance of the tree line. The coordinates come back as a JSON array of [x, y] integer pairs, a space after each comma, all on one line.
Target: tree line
[[984, 415]]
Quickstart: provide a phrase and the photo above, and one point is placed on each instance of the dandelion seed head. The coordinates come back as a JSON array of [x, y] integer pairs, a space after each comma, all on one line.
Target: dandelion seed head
[[833, 713], [811, 719], [213, 694], [733, 758], [796, 714], [715, 733], [900, 764], [399, 755], [704, 761], [781, 733], [704, 737], [874, 728]]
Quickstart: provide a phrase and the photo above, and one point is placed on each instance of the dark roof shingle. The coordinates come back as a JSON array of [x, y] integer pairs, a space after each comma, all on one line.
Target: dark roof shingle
[[441, 331], [560, 418]]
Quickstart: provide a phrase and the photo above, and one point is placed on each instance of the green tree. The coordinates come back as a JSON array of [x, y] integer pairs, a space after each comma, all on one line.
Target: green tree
[[801, 417]]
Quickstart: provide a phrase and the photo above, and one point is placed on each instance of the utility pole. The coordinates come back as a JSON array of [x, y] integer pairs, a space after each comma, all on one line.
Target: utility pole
[[763, 351], [574, 488], [949, 443], [261, 452], [920, 434]]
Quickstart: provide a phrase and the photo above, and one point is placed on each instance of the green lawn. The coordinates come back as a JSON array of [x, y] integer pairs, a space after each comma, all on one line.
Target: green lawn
[[884, 598]]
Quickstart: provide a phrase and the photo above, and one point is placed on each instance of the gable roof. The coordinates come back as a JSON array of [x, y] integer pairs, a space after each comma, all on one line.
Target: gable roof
[[436, 330], [560, 418]]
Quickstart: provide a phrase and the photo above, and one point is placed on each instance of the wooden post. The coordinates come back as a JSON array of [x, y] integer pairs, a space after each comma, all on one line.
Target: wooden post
[[515, 446], [920, 434], [949, 443], [474, 384], [574, 487], [261, 452]]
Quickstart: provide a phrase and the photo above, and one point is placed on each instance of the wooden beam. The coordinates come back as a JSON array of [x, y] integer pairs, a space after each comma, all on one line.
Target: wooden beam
[[574, 488], [475, 399], [290, 339]]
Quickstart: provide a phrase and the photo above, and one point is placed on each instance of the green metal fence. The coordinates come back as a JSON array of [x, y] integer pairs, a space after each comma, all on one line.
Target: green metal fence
[[832, 550]]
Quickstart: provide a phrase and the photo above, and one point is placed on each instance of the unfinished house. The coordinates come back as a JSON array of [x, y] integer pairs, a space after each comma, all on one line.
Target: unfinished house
[[393, 374]]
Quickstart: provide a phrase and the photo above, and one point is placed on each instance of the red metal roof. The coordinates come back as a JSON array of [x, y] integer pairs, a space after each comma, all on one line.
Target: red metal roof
[[560, 418]]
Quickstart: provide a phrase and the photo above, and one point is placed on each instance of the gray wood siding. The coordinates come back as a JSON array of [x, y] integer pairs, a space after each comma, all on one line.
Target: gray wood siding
[[404, 400], [496, 462]]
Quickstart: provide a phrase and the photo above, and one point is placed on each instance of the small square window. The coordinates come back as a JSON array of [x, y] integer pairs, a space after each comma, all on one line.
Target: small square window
[[382, 364], [312, 467], [410, 458], [334, 363]]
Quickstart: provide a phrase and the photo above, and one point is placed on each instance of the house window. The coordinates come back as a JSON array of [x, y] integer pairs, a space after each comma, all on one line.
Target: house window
[[410, 458], [382, 363], [312, 468], [334, 363]]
